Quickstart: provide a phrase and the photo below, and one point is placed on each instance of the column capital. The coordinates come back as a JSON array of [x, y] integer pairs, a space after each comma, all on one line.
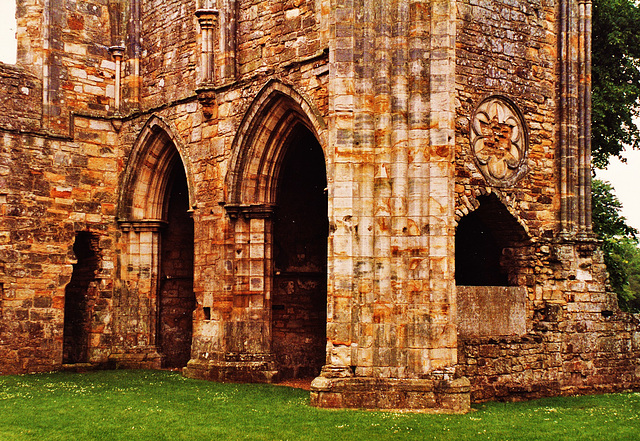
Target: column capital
[[207, 18], [117, 51]]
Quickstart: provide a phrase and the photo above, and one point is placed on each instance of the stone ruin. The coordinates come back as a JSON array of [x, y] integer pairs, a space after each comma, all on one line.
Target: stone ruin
[[391, 196]]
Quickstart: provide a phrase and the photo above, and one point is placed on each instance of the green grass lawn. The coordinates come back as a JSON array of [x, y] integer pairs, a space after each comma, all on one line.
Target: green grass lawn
[[160, 405]]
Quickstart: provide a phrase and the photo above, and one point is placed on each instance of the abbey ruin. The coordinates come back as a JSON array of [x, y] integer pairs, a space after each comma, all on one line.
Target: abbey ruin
[[391, 196]]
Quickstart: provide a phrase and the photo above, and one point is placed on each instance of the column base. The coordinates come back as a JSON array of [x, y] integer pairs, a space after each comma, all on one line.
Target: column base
[[434, 393], [144, 358], [255, 369]]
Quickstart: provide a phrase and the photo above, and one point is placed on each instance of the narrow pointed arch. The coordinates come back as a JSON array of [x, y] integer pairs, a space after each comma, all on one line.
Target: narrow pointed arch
[[259, 146], [157, 248], [144, 184]]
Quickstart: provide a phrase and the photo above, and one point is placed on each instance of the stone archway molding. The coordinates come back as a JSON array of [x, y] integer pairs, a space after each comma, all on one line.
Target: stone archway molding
[[146, 171], [142, 215], [244, 347], [258, 144]]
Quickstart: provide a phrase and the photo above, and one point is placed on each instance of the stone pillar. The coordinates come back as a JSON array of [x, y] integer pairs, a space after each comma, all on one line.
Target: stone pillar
[[134, 54], [584, 110], [207, 18], [139, 301], [575, 116], [391, 322], [117, 52], [242, 347], [226, 62]]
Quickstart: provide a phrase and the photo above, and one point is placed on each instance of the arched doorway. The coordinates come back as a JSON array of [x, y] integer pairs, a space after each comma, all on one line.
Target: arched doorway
[[79, 296], [482, 237], [158, 246], [490, 299], [274, 324], [478, 253], [300, 229], [176, 297]]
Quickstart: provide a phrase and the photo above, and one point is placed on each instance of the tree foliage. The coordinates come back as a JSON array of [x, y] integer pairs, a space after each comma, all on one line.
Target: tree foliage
[[615, 105], [607, 220], [615, 78], [620, 245]]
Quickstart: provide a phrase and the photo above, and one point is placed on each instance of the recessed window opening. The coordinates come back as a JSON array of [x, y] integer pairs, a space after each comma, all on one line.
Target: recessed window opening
[[481, 238]]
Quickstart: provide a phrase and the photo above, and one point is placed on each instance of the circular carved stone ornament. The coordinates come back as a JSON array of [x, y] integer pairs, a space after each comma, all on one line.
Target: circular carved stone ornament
[[499, 142]]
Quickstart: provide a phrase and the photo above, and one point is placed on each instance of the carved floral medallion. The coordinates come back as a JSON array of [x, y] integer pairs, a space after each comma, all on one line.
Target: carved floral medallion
[[499, 141]]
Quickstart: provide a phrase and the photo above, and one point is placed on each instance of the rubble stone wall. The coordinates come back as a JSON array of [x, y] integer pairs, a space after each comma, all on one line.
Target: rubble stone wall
[[168, 57], [510, 50], [559, 362], [79, 74], [20, 99], [61, 192]]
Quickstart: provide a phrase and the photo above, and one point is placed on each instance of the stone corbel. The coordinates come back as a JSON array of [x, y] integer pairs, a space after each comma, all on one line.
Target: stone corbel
[[207, 98]]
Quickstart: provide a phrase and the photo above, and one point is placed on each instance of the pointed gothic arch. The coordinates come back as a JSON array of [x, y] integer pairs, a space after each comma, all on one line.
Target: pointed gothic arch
[[156, 197], [278, 156], [258, 148], [145, 176]]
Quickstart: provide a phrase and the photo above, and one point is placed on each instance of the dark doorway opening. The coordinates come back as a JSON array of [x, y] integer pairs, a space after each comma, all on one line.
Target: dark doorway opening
[[79, 297], [481, 239], [176, 297], [299, 304]]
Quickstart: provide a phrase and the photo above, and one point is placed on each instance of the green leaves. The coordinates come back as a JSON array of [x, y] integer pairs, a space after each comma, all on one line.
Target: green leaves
[[615, 105], [620, 245], [607, 220], [615, 78]]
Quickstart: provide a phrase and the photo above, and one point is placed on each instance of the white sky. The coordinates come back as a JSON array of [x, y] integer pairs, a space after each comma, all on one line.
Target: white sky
[[625, 178], [8, 31]]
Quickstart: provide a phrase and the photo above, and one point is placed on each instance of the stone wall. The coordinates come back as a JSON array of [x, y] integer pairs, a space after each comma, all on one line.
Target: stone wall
[[168, 57], [507, 55], [68, 186], [43, 207], [510, 50], [20, 98], [565, 361], [493, 311]]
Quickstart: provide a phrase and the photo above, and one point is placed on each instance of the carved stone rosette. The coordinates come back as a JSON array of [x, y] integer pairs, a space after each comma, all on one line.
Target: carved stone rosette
[[499, 141]]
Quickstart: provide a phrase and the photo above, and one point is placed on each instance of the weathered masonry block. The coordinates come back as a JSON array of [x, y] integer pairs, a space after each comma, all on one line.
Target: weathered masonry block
[[389, 197]]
